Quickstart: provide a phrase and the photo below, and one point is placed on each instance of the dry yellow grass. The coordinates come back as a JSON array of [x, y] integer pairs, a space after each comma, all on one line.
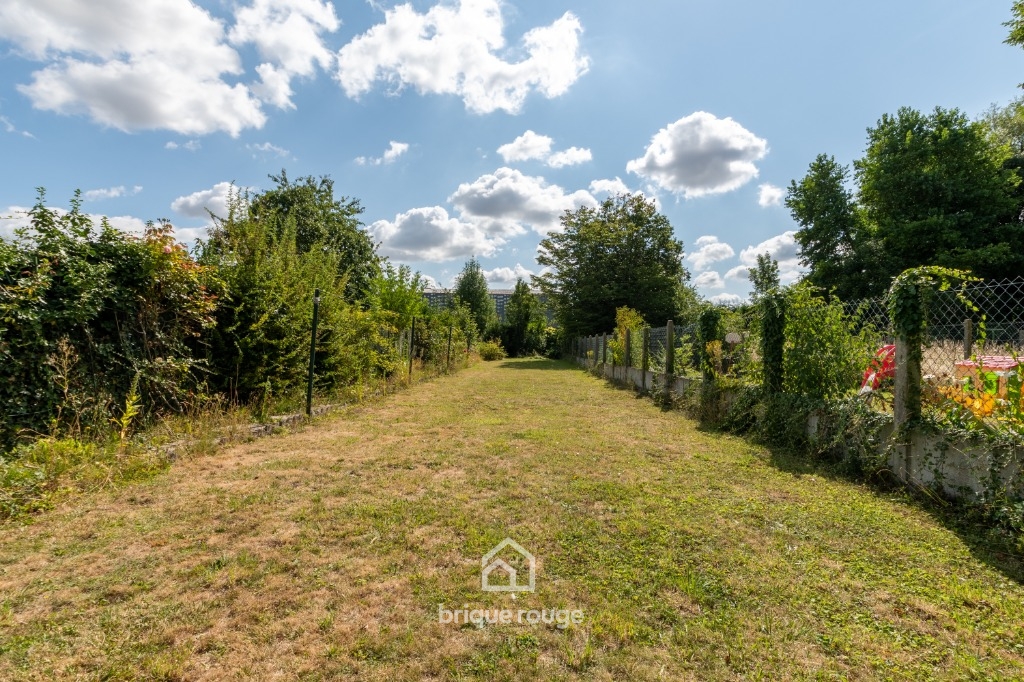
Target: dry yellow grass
[[325, 553]]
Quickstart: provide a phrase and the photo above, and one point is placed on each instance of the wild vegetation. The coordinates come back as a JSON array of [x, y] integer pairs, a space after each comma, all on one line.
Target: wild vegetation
[[693, 555]]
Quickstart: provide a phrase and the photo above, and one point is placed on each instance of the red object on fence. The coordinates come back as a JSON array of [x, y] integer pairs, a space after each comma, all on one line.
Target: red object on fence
[[883, 366]]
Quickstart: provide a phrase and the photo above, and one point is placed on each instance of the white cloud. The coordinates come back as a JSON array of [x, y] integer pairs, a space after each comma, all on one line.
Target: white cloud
[[109, 193], [268, 149], [9, 127], [611, 187], [430, 234], [709, 280], [197, 204], [700, 155], [533, 147], [781, 247], [709, 250], [508, 275], [191, 145], [506, 201], [159, 64], [394, 150], [286, 33], [456, 49], [527, 147], [770, 195], [740, 273], [726, 299], [573, 156]]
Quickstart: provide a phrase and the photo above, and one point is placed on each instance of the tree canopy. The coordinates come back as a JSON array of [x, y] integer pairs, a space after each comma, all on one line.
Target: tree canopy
[[931, 189], [323, 222], [622, 253], [471, 291]]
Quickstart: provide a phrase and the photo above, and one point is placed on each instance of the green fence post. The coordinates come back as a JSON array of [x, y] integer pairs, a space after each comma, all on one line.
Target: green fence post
[[312, 353]]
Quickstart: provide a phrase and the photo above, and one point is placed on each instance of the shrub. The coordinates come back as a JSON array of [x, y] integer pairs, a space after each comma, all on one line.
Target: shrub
[[491, 350], [825, 351]]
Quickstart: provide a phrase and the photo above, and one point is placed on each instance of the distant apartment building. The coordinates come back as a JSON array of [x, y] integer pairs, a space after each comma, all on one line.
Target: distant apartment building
[[438, 298]]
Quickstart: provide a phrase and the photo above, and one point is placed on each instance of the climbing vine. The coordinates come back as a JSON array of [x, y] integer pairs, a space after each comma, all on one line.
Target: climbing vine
[[908, 300]]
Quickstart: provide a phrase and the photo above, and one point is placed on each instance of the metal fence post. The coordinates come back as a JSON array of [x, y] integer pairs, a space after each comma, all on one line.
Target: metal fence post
[[448, 362], [645, 359], [670, 359], [412, 342], [312, 353]]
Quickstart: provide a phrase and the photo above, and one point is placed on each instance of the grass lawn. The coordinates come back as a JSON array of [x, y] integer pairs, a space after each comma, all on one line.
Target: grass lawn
[[326, 554]]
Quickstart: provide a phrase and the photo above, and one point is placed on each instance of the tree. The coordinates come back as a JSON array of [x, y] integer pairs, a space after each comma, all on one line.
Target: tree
[[938, 192], [622, 253], [835, 243], [764, 277], [322, 222], [399, 291], [523, 331], [471, 290]]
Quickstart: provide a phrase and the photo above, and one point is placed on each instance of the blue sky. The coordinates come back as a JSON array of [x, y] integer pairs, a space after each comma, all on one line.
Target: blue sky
[[467, 126]]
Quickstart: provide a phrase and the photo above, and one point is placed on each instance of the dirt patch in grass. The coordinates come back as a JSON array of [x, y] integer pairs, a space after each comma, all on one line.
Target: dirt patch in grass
[[326, 554]]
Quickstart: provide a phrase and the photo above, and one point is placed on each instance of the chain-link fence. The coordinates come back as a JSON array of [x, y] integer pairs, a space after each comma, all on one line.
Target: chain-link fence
[[979, 327]]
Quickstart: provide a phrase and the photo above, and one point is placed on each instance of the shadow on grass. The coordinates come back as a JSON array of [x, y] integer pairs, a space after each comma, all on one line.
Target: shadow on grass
[[993, 546], [989, 544], [536, 363]]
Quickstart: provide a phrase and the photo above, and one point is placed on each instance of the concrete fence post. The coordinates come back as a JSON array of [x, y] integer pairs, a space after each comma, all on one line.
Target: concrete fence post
[[968, 338]]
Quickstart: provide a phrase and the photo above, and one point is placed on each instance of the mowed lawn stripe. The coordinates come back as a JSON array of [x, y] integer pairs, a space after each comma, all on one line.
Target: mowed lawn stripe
[[326, 554]]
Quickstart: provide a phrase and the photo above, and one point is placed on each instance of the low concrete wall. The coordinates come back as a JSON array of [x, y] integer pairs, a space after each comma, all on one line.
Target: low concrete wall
[[959, 469]]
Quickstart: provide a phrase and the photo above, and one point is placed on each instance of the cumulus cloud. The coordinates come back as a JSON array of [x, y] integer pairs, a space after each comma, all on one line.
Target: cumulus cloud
[[611, 187], [507, 201], [166, 64], [430, 234], [394, 150], [709, 280], [215, 200], [506, 275], [132, 65], [573, 156], [709, 250], [783, 248], [770, 195], [526, 147], [699, 155], [740, 273], [726, 299], [457, 49], [287, 34], [533, 147], [109, 193]]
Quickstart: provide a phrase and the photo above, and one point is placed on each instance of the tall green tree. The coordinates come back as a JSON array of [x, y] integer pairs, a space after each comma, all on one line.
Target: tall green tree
[[523, 331], [938, 192], [471, 291], [836, 244], [399, 291], [622, 253], [764, 276], [320, 222]]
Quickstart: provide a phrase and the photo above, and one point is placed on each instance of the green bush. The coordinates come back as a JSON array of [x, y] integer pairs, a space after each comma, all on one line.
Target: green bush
[[85, 315], [826, 350], [491, 350]]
